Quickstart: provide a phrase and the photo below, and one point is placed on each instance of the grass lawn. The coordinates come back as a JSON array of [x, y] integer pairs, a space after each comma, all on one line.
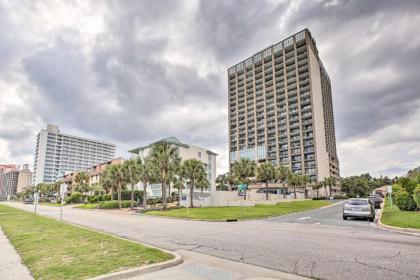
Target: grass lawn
[[258, 211], [50, 204], [397, 218], [56, 250], [87, 206]]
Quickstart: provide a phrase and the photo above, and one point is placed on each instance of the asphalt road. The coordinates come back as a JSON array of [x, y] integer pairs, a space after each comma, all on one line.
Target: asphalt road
[[322, 246]]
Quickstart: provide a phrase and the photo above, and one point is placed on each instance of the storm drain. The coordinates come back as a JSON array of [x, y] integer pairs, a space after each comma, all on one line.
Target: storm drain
[[208, 272]]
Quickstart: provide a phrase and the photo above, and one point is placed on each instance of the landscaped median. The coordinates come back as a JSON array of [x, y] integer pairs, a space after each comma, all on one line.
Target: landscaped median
[[392, 216], [55, 250], [241, 213]]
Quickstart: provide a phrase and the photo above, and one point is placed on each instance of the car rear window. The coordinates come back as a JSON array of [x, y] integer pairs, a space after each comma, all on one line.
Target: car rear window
[[358, 202]]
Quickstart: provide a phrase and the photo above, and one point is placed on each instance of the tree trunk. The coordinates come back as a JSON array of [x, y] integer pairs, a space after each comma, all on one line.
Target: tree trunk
[[144, 195], [164, 194], [325, 189], [294, 191], [169, 186], [191, 193], [284, 191], [305, 191], [317, 193], [132, 195], [119, 196], [266, 190]]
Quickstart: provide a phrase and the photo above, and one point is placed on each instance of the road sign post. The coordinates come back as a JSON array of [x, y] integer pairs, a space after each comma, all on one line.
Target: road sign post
[[389, 189], [63, 191], [36, 196]]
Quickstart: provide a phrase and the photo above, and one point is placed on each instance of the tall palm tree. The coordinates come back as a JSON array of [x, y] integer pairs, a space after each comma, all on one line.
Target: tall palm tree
[[283, 172], [329, 181], [266, 172], [165, 159], [118, 178], [179, 183], [317, 186], [147, 175], [81, 181], [193, 169], [231, 180], [294, 181], [131, 169], [203, 183], [243, 169], [306, 180]]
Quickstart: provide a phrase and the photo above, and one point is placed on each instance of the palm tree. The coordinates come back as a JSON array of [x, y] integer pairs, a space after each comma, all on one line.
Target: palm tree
[[179, 183], [193, 169], [118, 178], [106, 182], [283, 172], [317, 186], [81, 181], [165, 160], [294, 181], [131, 169], [266, 173], [147, 175], [305, 180], [243, 169], [329, 181], [203, 183], [231, 180]]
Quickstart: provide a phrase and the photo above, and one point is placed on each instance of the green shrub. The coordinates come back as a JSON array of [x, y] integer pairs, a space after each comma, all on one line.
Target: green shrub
[[405, 201], [407, 184], [92, 198], [112, 204], [340, 197], [126, 195], [75, 197], [319, 198], [416, 196]]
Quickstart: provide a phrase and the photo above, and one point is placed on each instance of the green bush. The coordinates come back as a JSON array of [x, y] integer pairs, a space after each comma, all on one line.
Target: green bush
[[319, 198], [405, 201], [407, 184], [75, 197], [126, 195], [92, 198], [340, 197], [112, 204], [416, 196]]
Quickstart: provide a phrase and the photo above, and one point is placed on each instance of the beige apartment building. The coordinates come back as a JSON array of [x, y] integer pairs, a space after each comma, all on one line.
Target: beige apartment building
[[280, 109], [185, 151]]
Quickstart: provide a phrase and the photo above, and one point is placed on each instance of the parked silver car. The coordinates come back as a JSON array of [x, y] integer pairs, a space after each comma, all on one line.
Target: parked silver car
[[359, 208]]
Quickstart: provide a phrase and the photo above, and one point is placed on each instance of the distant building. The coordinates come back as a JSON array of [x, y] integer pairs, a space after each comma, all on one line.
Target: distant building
[[185, 151], [13, 180], [3, 169], [95, 172], [57, 153], [281, 109]]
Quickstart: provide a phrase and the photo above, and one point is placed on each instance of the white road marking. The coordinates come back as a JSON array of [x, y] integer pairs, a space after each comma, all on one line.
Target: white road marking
[[303, 218], [317, 223]]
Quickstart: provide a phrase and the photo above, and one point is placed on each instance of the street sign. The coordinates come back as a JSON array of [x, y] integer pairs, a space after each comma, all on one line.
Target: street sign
[[63, 190]]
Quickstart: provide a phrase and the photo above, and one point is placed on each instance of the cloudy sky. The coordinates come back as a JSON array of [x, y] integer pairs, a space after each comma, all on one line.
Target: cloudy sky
[[131, 72]]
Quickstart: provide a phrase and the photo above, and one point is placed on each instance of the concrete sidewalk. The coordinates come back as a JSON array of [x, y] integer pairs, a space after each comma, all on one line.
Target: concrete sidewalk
[[11, 266], [198, 266]]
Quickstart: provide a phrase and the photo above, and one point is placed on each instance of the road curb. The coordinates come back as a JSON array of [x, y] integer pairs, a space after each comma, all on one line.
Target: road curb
[[124, 274], [141, 270], [409, 231]]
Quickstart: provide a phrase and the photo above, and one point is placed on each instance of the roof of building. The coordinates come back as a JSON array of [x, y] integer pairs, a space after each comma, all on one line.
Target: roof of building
[[171, 140]]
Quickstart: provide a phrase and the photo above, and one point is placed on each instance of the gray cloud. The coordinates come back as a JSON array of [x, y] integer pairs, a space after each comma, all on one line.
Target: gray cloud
[[158, 68]]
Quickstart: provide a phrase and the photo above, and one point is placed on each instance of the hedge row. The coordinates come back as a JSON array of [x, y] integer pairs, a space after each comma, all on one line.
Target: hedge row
[[112, 204]]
